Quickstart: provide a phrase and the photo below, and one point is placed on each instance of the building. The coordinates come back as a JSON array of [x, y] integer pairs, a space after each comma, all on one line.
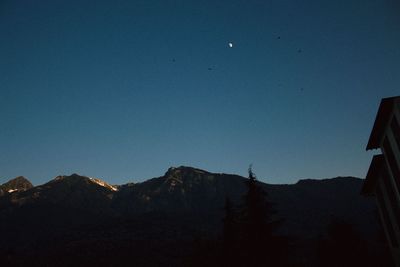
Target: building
[[383, 177]]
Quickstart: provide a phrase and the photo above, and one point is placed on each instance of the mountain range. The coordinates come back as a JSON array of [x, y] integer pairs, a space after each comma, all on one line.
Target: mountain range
[[76, 216]]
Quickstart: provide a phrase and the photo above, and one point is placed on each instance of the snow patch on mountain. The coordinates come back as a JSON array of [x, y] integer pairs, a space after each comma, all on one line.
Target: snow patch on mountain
[[103, 184]]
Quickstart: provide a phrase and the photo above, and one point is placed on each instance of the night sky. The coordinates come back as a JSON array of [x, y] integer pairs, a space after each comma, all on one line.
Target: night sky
[[122, 90]]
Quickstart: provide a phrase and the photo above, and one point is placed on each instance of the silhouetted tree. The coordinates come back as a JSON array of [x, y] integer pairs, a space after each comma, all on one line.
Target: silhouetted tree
[[257, 211], [249, 238]]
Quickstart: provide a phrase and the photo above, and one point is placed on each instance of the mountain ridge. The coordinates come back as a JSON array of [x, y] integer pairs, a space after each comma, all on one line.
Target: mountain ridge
[[184, 168], [70, 213], [189, 168], [192, 190]]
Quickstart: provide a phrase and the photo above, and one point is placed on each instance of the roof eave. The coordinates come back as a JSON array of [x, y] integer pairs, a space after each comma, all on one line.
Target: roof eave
[[382, 117]]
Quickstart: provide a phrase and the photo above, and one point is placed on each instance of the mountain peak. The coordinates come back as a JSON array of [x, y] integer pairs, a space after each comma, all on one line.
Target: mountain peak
[[182, 170], [73, 176], [77, 177], [19, 183]]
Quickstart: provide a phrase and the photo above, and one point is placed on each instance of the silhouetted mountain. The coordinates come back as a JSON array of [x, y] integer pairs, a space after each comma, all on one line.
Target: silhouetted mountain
[[77, 216], [307, 206], [19, 183], [74, 192], [182, 189]]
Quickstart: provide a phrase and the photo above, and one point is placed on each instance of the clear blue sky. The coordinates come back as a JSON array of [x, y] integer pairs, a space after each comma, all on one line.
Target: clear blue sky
[[122, 90]]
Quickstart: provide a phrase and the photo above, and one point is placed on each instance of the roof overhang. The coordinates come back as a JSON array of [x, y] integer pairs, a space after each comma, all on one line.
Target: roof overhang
[[381, 120]]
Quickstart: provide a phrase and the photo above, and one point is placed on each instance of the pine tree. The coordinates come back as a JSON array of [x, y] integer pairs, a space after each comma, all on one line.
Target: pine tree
[[259, 245], [248, 237], [257, 211]]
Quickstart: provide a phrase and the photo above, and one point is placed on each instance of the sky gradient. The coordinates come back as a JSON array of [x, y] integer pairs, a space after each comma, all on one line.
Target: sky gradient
[[122, 90]]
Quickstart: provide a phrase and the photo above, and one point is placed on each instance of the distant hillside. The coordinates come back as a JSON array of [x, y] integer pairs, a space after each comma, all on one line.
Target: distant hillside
[[70, 214]]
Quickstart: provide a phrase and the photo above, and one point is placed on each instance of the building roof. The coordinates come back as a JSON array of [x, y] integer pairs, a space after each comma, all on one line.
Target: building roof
[[382, 117], [377, 162]]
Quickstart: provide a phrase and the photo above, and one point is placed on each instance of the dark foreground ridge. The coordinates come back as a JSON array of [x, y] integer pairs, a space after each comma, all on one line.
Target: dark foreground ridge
[[83, 221]]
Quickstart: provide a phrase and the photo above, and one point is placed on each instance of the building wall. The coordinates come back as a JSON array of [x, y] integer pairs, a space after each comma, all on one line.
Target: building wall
[[387, 214], [393, 164], [388, 191], [390, 135]]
